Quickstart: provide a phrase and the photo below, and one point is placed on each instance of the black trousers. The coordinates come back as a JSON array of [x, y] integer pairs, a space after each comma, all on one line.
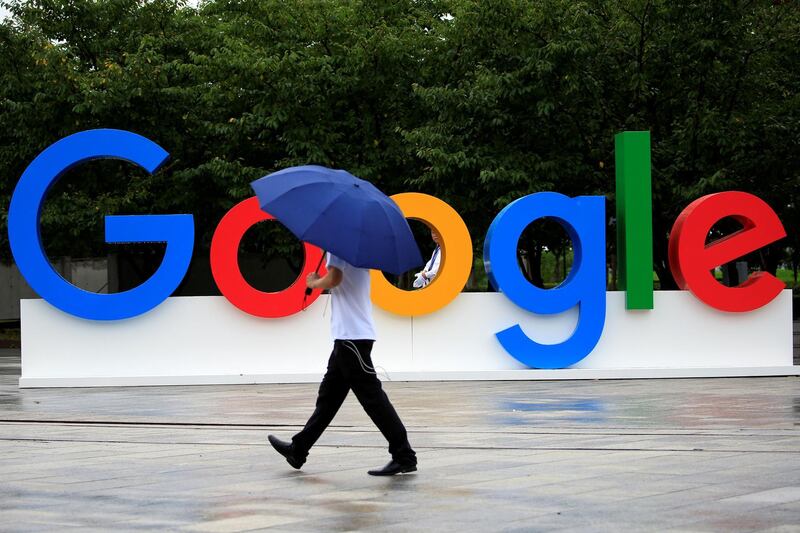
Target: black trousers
[[345, 372]]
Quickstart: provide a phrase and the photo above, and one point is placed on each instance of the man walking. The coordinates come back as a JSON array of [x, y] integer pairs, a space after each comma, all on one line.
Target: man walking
[[350, 367]]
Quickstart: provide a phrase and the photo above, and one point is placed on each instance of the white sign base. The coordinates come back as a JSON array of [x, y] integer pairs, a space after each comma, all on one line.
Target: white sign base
[[206, 340]]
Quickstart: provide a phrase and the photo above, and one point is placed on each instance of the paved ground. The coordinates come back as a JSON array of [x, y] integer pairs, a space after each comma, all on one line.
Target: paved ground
[[688, 455]]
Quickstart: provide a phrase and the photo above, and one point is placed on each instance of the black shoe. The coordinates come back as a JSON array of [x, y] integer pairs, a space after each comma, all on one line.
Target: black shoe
[[393, 468], [286, 449]]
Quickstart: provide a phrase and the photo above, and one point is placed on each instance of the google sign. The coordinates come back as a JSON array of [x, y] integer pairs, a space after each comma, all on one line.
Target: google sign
[[692, 259]]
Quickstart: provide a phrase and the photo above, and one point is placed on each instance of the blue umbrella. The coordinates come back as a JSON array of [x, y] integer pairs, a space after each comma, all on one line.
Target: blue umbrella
[[341, 214]]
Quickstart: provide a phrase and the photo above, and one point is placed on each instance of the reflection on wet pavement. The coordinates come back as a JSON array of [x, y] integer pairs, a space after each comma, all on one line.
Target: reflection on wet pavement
[[567, 410]]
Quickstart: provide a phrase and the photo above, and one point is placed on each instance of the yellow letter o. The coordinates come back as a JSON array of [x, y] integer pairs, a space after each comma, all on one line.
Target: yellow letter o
[[455, 264]]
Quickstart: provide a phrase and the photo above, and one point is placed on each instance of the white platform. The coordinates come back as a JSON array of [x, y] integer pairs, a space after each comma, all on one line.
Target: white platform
[[205, 340]]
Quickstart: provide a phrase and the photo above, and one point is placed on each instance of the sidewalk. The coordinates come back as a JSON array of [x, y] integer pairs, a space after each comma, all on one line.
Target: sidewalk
[[683, 455]]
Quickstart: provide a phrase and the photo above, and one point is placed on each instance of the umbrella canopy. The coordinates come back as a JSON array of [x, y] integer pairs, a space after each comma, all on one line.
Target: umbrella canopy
[[342, 214]]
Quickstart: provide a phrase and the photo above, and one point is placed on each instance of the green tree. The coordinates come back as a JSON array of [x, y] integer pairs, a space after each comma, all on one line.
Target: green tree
[[478, 103], [514, 107], [77, 65], [528, 97], [717, 85]]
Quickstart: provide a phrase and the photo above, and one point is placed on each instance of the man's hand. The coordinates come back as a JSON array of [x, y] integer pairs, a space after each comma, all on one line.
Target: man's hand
[[328, 281], [312, 280]]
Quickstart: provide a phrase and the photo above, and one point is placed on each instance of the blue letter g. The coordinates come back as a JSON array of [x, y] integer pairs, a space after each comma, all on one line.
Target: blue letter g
[[584, 219], [26, 244]]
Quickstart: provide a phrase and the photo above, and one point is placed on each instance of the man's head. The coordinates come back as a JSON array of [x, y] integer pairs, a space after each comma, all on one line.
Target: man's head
[[436, 237]]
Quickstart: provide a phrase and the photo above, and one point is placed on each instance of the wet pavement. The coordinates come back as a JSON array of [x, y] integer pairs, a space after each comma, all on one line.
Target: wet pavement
[[638, 455]]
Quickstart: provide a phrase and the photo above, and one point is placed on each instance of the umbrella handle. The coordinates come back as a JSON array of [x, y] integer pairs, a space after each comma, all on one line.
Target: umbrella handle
[[309, 289]]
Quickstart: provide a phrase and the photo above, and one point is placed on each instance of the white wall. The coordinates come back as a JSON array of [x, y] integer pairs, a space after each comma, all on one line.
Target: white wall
[[199, 340]]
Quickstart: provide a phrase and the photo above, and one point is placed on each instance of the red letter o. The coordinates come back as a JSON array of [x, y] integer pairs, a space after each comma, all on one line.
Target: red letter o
[[225, 267]]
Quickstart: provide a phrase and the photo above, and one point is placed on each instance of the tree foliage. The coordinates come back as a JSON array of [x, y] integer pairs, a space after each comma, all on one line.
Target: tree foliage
[[478, 103]]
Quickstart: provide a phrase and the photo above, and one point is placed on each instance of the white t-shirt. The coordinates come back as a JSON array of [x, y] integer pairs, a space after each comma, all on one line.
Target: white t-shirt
[[430, 270], [351, 306]]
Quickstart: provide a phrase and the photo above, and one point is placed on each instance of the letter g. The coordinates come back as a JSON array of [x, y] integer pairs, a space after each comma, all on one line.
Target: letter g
[[26, 244], [584, 219]]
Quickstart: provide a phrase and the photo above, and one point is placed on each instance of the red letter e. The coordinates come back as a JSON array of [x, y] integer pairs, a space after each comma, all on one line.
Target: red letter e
[[692, 261]]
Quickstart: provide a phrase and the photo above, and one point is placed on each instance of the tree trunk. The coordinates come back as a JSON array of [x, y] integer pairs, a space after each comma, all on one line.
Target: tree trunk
[[661, 259], [770, 257], [612, 259], [535, 262]]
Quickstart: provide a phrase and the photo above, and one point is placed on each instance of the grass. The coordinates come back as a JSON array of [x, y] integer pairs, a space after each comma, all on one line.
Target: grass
[[9, 335], [787, 276]]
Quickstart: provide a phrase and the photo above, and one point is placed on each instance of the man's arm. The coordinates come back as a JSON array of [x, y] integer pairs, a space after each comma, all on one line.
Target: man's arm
[[328, 281]]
